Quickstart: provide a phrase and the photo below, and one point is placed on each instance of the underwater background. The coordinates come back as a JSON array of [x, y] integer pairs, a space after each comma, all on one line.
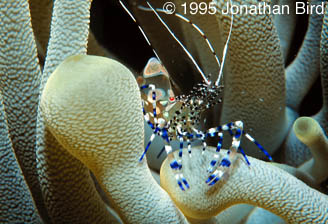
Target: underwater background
[[73, 129]]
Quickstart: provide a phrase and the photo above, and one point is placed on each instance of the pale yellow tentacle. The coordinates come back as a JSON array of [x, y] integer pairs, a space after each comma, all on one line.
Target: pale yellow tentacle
[[92, 106], [75, 201], [260, 184]]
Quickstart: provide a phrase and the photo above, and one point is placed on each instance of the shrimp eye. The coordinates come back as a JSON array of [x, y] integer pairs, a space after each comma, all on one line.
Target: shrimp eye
[[172, 99]]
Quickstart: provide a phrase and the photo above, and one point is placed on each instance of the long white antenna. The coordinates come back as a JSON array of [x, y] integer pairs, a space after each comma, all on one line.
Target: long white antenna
[[225, 51], [185, 19], [141, 30], [183, 47]]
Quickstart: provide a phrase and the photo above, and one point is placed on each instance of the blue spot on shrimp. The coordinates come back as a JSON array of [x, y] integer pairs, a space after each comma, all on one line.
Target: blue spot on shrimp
[[177, 118]]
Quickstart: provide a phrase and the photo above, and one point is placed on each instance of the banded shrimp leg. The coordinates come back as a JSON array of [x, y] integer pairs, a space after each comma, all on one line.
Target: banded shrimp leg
[[158, 123], [236, 130], [160, 128]]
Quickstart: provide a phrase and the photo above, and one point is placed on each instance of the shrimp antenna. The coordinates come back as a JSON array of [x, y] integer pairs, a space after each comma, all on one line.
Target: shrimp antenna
[[199, 30], [179, 42], [141, 30], [225, 50]]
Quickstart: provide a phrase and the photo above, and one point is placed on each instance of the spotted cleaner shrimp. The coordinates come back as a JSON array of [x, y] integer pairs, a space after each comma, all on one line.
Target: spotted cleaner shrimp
[[177, 117]]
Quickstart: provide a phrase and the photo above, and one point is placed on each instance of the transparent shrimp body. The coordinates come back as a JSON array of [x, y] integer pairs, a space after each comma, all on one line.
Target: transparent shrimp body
[[178, 117]]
